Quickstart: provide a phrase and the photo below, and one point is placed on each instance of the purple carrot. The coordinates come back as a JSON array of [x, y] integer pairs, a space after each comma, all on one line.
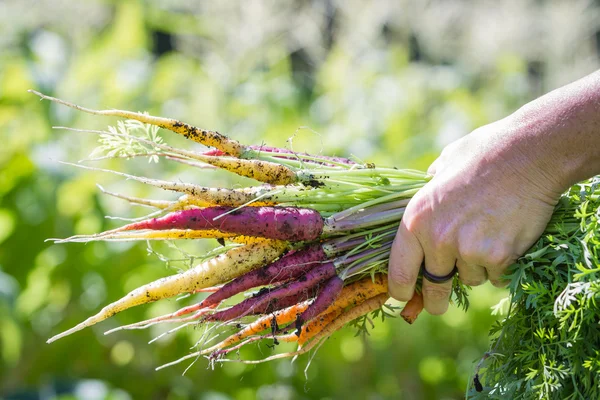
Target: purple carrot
[[284, 223], [265, 296], [277, 304], [326, 296], [291, 266]]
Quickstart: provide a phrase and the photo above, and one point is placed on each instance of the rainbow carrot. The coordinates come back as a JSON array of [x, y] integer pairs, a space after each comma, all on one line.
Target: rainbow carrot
[[312, 278], [205, 137], [209, 273], [351, 295], [413, 308], [283, 223], [329, 293], [366, 307]]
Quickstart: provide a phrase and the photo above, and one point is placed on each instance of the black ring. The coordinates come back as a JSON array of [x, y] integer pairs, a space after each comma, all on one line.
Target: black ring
[[438, 279]]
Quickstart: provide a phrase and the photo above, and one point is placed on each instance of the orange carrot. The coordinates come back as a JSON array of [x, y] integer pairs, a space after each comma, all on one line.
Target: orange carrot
[[413, 308], [359, 291], [309, 330], [261, 324], [351, 296], [366, 307]]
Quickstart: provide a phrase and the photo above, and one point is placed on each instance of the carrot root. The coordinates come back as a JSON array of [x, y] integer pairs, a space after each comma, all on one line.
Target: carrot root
[[246, 307], [413, 308], [350, 296], [209, 273], [290, 266], [170, 234], [162, 318], [205, 137], [350, 315], [262, 171], [329, 293], [283, 223]]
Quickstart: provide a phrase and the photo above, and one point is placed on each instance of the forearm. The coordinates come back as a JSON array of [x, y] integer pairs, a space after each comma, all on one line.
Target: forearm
[[561, 131]]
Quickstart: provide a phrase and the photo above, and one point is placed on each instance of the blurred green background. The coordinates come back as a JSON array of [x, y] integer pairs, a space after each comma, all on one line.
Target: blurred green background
[[390, 82]]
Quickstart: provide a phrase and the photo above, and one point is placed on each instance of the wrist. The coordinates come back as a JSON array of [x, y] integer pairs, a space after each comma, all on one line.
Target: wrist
[[560, 132]]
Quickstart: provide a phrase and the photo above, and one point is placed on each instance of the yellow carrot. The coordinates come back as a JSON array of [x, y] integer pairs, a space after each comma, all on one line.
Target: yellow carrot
[[196, 195], [169, 234], [205, 137], [160, 204], [263, 171], [222, 197], [212, 196], [222, 268]]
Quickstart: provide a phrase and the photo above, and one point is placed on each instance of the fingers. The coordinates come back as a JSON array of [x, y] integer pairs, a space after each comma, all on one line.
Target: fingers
[[436, 296], [405, 261], [496, 259], [471, 274], [495, 275]]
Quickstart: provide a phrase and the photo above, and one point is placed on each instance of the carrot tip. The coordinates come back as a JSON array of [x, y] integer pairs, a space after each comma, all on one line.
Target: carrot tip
[[88, 322]]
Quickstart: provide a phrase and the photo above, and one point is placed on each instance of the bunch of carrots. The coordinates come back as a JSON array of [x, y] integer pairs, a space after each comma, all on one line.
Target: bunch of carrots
[[308, 246]]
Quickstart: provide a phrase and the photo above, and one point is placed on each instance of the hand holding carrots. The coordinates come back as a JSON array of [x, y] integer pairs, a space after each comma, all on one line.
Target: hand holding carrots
[[494, 191]]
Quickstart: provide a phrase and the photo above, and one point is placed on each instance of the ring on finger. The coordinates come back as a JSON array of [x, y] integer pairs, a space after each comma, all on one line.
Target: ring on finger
[[438, 279]]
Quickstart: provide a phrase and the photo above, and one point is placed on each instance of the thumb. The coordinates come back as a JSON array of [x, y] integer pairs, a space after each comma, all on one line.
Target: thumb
[[406, 257]]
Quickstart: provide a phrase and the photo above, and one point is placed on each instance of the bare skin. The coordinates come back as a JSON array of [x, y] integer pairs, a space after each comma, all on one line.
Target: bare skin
[[493, 192]]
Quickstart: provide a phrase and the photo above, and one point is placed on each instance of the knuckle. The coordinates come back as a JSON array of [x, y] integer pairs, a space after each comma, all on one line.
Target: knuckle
[[451, 147], [436, 292], [473, 281], [499, 283], [443, 237], [500, 256], [416, 214], [470, 252], [432, 168]]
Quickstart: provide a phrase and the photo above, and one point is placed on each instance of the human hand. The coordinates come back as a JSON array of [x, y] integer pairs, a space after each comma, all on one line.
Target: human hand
[[489, 200]]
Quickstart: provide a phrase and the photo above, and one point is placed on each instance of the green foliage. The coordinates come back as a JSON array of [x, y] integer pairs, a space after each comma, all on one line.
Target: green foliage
[[125, 144], [548, 345], [364, 324]]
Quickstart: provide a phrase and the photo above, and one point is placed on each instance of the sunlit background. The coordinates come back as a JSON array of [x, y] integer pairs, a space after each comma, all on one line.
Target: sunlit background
[[391, 82]]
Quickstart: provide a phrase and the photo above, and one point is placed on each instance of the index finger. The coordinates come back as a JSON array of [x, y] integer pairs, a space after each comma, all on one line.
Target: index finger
[[406, 257]]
